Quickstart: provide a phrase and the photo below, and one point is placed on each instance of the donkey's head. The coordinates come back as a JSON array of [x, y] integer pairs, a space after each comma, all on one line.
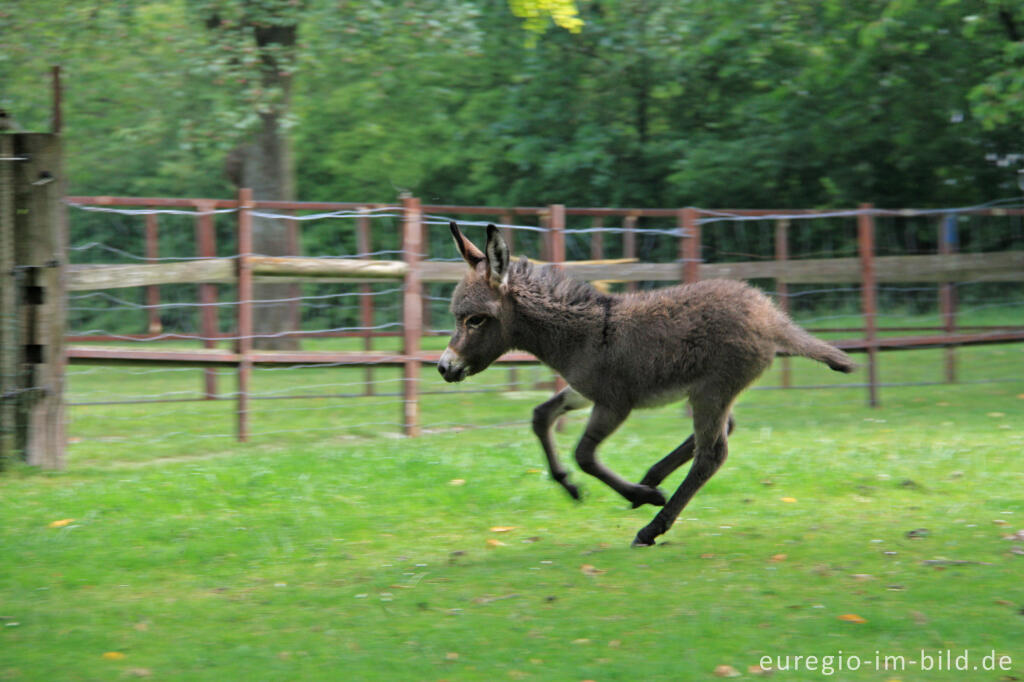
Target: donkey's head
[[480, 308]]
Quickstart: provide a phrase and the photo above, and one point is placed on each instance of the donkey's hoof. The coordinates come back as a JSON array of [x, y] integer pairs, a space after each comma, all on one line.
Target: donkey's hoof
[[640, 542], [645, 494], [645, 537], [573, 491]]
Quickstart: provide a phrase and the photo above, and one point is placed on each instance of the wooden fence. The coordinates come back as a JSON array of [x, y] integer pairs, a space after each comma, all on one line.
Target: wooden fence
[[244, 269]]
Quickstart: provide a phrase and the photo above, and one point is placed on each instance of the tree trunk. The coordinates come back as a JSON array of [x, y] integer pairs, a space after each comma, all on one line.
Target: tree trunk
[[267, 170]]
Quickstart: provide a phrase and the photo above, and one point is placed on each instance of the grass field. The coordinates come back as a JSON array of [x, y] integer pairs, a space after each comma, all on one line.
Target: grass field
[[330, 549]]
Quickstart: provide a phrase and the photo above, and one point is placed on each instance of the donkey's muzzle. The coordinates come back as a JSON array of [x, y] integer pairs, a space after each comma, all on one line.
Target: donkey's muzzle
[[451, 366]]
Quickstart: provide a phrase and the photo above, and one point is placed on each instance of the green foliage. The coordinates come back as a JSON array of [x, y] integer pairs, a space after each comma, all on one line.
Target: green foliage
[[651, 102]]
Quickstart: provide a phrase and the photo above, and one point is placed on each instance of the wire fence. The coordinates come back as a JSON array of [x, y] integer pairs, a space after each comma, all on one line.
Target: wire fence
[[161, 354]]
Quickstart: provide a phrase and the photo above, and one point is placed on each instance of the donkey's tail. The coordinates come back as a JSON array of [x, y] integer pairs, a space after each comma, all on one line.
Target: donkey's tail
[[792, 340]]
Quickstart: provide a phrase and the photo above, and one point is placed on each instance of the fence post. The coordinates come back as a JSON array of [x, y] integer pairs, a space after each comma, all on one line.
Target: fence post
[[869, 294], [34, 245], [294, 238], [510, 238], [9, 354], [363, 246], [629, 244], [153, 291], [412, 314], [689, 244], [243, 344], [781, 287], [597, 239], [948, 240], [206, 247]]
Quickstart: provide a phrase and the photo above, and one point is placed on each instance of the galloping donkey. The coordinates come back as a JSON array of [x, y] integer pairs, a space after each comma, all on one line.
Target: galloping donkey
[[705, 341]]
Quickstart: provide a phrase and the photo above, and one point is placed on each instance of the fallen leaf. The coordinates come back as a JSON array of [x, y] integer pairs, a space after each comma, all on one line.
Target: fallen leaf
[[457, 481], [451, 656], [1018, 536], [789, 500], [61, 523], [862, 576], [587, 569], [852, 618], [581, 640], [502, 529], [918, 533], [726, 671], [139, 672], [707, 556], [996, 414], [758, 670], [776, 558], [491, 542], [113, 656], [1001, 522]]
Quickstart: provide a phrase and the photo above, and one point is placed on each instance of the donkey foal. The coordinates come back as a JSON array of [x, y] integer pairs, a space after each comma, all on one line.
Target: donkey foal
[[705, 341]]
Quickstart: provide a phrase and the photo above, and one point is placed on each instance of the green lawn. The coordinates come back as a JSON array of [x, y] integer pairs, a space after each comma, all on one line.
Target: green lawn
[[329, 548]]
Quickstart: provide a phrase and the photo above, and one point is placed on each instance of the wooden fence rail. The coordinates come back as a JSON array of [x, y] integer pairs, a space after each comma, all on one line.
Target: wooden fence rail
[[866, 270]]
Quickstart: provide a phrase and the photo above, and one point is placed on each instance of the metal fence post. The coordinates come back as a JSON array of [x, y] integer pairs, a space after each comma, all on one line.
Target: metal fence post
[[206, 247], [869, 294], [948, 239]]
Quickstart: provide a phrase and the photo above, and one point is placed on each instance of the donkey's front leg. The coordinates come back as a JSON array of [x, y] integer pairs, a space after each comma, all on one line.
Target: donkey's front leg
[[603, 422], [544, 415]]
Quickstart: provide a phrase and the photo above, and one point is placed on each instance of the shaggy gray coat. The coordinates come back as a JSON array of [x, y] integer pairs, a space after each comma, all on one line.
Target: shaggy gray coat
[[705, 341]]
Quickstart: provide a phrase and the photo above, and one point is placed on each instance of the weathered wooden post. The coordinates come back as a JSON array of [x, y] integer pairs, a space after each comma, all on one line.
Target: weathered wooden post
[[781, 256], [33, 258], [243, 344], [9, 353], [412, 314], [869, 294]]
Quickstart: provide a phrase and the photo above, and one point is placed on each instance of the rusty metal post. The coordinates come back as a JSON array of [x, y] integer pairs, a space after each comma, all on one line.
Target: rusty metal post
[[412, 314], [869, 294], [948, 240], [363, 246], [206, 247], [243, 344], [782, 288], [689, 244]]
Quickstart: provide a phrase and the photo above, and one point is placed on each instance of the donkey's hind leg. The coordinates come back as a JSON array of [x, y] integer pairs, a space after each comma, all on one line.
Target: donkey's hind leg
[[710, 433], [544, 415], [675, 459], [603, 422]]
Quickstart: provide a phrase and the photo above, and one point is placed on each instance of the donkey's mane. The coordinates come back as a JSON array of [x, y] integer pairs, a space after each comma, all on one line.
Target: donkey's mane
[[556, 284]]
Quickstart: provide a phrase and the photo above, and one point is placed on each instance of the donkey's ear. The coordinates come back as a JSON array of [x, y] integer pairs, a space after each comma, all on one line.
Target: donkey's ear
[[469, 251], [497, 257]]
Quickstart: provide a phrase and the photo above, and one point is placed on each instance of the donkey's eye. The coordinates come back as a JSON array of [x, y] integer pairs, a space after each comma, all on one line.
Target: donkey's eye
[[474, 321]]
